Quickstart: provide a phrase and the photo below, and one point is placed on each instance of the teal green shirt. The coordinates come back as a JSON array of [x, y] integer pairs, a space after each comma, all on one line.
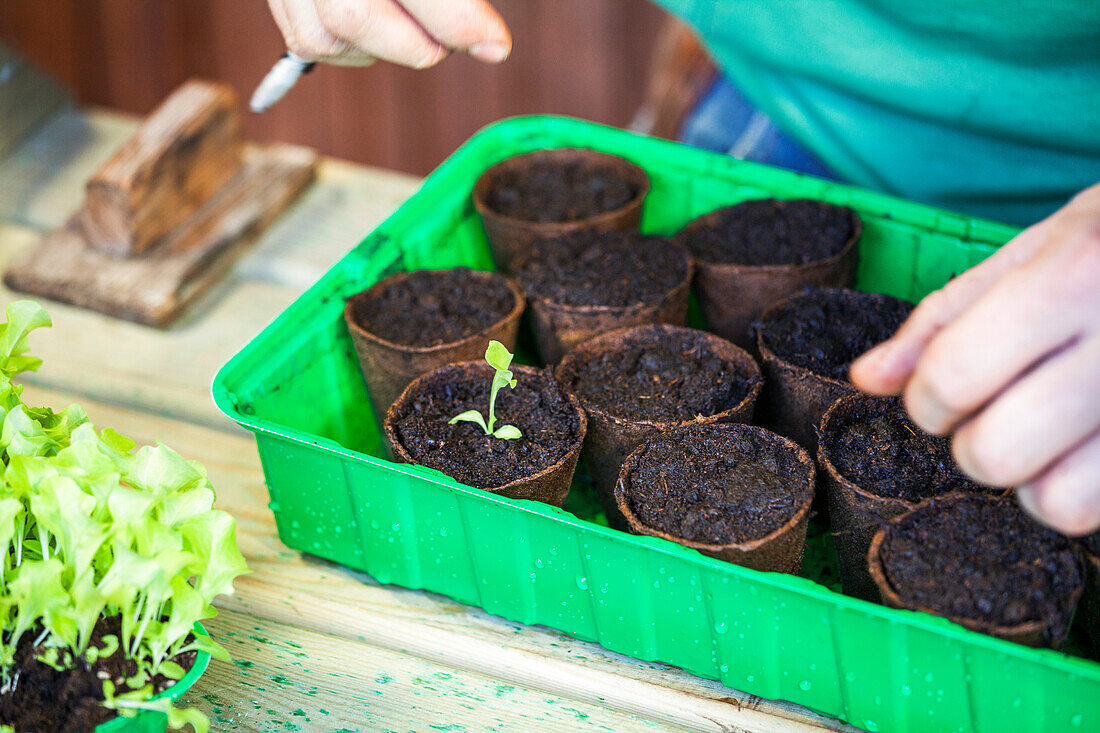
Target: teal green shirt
[[988, 107]]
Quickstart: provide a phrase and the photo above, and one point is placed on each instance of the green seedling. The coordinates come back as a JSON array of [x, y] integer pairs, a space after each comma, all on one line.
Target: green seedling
[[94, 527], [499, 359]]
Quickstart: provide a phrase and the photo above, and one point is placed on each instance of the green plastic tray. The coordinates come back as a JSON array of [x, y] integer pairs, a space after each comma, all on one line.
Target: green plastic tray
[[334, 494]]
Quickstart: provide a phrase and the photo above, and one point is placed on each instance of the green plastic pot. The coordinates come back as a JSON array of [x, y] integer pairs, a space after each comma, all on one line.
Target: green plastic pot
[[151, 721]]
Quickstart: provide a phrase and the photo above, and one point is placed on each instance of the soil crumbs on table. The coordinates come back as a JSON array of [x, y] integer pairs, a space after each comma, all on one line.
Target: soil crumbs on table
[[555, 192], [825, 330], [983, 558], [614, 269], [548, 421], [772, 232], [659, 374], [717, 484], [46, 700], [432, 307], [878, 448]]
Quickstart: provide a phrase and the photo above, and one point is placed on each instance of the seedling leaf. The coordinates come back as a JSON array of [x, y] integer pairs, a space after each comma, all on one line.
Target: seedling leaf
[[470, 416], [499, 358]]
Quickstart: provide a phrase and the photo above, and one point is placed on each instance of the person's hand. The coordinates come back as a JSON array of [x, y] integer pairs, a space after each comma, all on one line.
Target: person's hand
[[1007, 357], [416, 33]]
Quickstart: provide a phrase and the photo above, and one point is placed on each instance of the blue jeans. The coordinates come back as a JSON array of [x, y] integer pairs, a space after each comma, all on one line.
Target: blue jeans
[[726, 122]]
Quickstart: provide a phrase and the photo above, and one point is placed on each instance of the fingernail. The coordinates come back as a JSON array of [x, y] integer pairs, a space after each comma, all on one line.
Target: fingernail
[[490, 51]]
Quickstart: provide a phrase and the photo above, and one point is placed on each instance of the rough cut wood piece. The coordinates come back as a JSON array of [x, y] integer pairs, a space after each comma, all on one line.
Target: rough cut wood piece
[[154, 288], [181, 156]]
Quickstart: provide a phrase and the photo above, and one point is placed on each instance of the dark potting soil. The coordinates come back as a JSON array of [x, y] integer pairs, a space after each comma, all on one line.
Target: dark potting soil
[[825, 330], [548, 421], [878, 448], [717, 484], [659, 373], [772, 232], [614, 269], [982, 558], [555, 192], [45, 700], [432, 307]]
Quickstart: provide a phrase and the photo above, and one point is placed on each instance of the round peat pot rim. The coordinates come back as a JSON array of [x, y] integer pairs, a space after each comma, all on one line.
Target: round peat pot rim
[[1028, 632], [733, 268], [614, 310], [800, 454], [518, 297], [628, 171], [736, 355], [464, 368], [768, 355], [839, 406]]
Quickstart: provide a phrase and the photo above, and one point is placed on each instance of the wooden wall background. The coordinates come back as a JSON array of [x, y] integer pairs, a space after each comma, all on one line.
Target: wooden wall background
[[587, 58]]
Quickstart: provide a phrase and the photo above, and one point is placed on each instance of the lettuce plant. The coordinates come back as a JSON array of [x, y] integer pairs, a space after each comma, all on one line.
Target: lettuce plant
[[96, 527], [499, 358]]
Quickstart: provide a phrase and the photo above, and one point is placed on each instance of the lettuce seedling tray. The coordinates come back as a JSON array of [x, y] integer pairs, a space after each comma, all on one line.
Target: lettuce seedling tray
[[334, 494]]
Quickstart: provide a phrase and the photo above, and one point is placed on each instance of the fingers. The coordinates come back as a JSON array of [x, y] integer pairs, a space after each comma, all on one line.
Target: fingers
[[1067, 496], [473, 26], [885, 369], [1038, 419], [378, 28], [416, 33], [1028, 314]]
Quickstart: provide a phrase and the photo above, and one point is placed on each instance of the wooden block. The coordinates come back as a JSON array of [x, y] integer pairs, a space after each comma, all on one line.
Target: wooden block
[[182, 155], [155, 288]]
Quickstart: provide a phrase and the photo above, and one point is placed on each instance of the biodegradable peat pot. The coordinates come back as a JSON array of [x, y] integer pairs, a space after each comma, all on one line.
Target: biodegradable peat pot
[[636, 382], [413, 322], [548, 193], [806, 344], [1090, 601], [584, 284], [739, 493], [537, 466], [750, 255], [980, 561], [876, 465]]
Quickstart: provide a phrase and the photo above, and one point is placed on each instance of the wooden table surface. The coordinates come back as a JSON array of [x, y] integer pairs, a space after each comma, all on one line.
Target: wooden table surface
[[317, 647]]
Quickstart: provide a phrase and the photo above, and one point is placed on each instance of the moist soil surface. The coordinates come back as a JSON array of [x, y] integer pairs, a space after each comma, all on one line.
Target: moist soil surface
[[548, 421], [614, 269], [556, 192], [772, 232], [825, 330], [982, 558], [659, 374], [46, 700], [879, 449], [429, 308], [717, 484]]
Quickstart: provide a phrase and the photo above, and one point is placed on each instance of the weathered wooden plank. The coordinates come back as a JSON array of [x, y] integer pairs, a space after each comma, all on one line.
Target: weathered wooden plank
[[28, 97], [313, 595], [41, 185], [182, 155], [155, 287], [283, 678], [42, 181], [163, 371]]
